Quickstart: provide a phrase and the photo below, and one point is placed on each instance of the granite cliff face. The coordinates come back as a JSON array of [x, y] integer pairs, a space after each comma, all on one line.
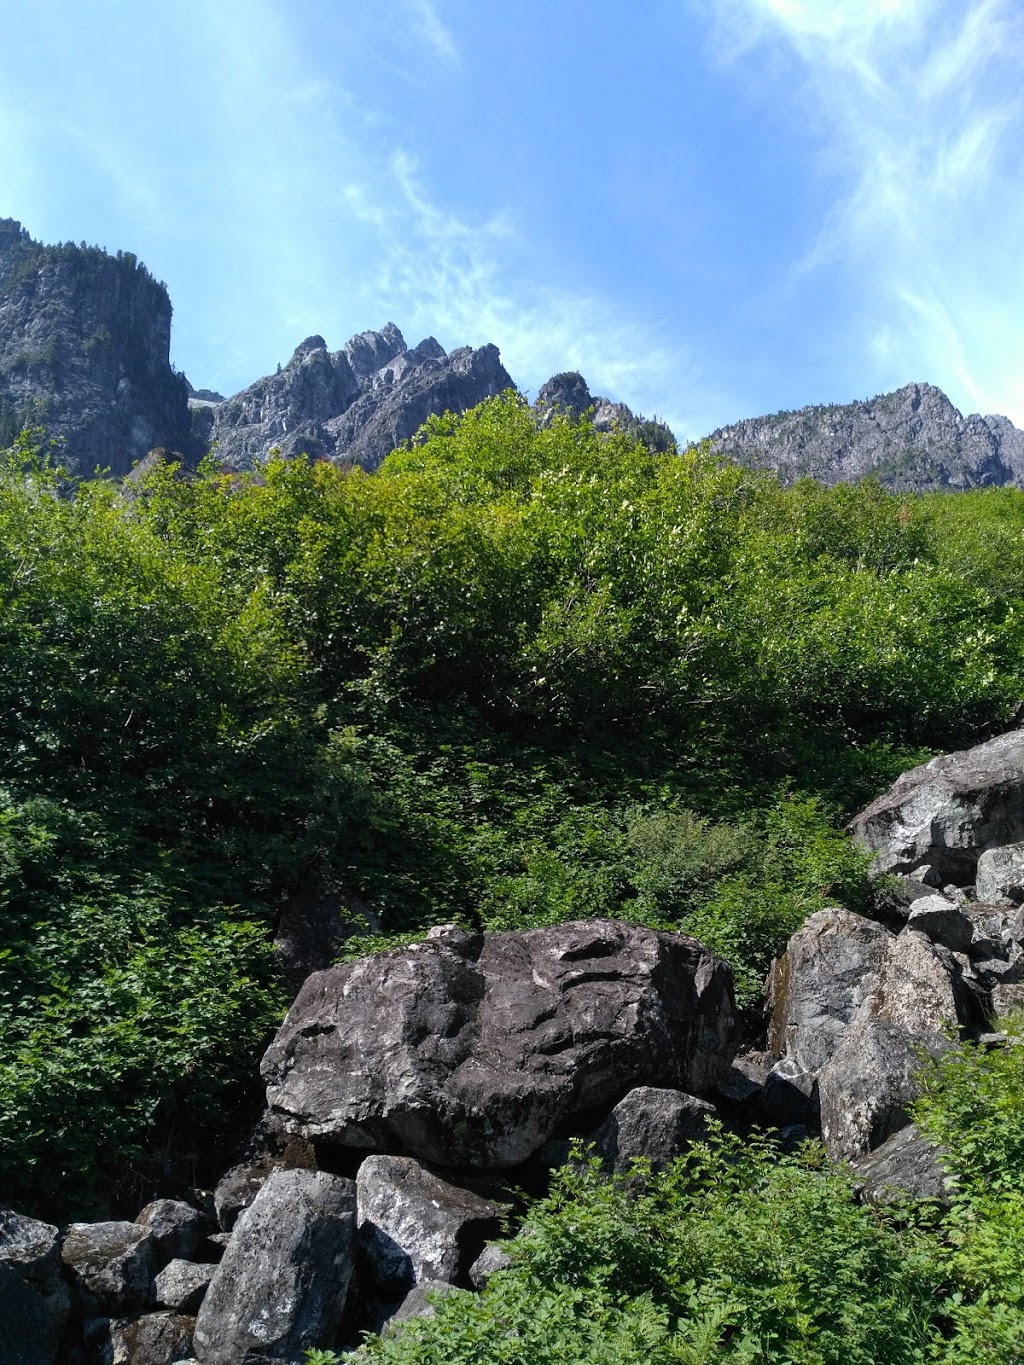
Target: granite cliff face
[[84, 352], [356, 404], [912, 440]]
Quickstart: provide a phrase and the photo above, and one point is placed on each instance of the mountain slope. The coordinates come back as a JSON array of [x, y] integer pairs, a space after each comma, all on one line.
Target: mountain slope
[[913, 440]]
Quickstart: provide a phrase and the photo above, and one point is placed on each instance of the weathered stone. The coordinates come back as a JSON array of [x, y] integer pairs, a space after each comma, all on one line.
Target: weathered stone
[[282, 1284], [905, 1164], [921, 986], [181, 1285], [1007, 998], [414, 1226], [1000, 874], [175, 1228], [238, 1187], [949, 811], [28, 1334], [942, 922], [492, 1259], [154, 1339], [31, 1248], [865, 1089], [657, 1125], [417, 1303], [470, 1050], [110, 1264], [819, 984]]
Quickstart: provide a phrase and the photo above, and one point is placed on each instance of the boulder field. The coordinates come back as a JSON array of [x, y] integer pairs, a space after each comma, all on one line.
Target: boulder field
[[408, 1092]]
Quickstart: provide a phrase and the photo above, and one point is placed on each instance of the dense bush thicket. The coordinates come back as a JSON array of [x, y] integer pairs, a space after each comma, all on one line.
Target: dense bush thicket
[[516, 675]]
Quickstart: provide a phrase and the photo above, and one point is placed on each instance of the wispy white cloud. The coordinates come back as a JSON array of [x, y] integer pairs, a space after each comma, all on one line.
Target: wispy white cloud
[[924, 114], [432, 31], [466, 282]]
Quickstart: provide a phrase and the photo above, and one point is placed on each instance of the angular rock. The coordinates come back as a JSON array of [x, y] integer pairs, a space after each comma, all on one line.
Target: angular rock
[[942, 922], [28, 1334], [789, 1095], [657, 1125], [416, 1303], [819, 984], [492, 1259], [282, 1284], [154, 1339], [905, 1164], [921, 986], [110, 1265], [865, 1089], [31, 1248], [175, 1228], [470, 1050], [1000, 874], [415, 1226], [181, 1285], [1006, 999], [949, 811]]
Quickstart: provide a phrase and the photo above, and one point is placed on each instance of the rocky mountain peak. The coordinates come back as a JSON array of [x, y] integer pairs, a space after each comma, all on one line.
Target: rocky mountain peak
[[912, 439], [356, 404], [313, 343], [85, 352]]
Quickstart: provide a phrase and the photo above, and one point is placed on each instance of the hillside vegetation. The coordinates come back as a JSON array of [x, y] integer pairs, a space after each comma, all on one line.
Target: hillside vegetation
[[515, 676]]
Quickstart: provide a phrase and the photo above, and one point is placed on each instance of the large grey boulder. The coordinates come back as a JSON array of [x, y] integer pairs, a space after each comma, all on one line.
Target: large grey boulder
[[175, 1229], [656, 1125], [1000, 874], [153, 1339], [942, 921], [469, 1050], [905, 1165], [866, 1088], [31, 1248], [415, 1226], [947, 812], [820, 983], [28, 1334], [420, 1302], [182, 1285], [282, 1284], [923, 987], [110, 1265]]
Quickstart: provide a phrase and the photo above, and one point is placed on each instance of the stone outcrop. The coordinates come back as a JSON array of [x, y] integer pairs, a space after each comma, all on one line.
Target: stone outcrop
[[906, 1164], [110, 1265], [912, 439], [84, 352], [415, 1226], [946, 813], [282, 1284], [568, 393], [354, 405], [471, 1050], [653, 1125]]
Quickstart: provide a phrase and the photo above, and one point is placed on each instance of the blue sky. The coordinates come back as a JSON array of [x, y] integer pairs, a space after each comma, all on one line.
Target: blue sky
[[713, 210]]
